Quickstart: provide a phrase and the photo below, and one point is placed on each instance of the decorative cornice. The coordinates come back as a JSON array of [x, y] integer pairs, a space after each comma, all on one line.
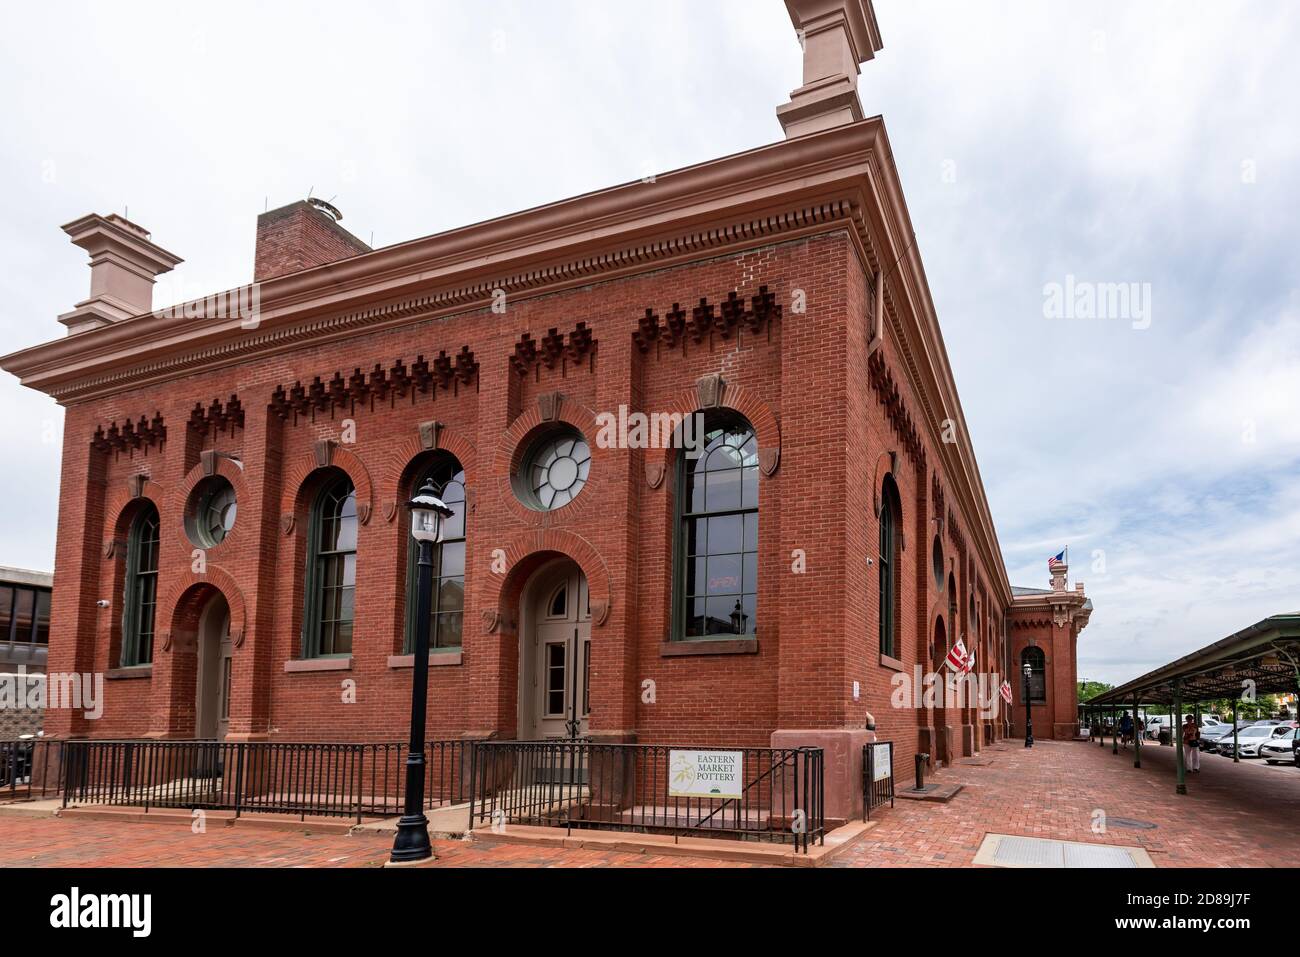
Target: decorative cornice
[[730, 317], [130, 435], [887, 391], [555, 348], [217, 416], [776, 191], [398, 381]]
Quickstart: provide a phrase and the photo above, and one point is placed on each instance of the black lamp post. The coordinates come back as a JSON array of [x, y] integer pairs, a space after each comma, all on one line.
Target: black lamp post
[[427, 514], [1029, 718], [738, 620]]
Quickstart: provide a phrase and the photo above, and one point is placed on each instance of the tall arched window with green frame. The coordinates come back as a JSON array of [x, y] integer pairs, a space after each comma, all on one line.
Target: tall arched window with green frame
[[891, 524], [140, 596], [447, 610], [1033, 656], [716, 548], [331, 574]]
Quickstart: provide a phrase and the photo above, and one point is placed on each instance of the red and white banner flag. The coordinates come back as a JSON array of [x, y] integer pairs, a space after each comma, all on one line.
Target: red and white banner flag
[[970, 662], [956, 658], [1006, 691]]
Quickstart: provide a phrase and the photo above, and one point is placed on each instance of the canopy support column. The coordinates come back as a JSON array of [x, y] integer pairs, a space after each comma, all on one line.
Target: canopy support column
[[1137, 736], [1236, 757], [1114, 739], [1177, 730]]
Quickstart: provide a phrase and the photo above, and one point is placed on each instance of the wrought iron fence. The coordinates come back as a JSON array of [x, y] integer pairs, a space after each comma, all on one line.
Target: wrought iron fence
[[25, 769], [316, 778], [763, 794], [877, 776]]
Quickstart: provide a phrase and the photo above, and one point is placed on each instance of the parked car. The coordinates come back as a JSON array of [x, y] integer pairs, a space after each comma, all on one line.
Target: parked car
[[1279, 748], [1160, 722], [1249, 741], [1211, 738]]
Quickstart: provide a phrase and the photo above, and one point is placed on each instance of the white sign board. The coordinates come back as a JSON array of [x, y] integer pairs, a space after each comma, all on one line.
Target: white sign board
[[880, 763], [710, 774]]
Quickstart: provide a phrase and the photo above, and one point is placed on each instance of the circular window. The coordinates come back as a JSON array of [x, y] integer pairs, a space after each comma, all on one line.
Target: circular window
[[936, 559], [554, 470], [211, 512]]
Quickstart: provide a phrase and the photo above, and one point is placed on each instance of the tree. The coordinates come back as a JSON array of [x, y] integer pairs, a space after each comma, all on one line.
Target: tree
[[1090, 689]]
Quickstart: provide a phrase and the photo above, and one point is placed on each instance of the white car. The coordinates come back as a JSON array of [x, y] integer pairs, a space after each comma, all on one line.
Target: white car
[[1249, 741], [1279, 749]]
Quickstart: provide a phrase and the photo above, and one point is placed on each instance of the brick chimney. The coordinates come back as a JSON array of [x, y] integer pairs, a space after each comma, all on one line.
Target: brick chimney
[[836, 36], [123, 264], [299, 236]]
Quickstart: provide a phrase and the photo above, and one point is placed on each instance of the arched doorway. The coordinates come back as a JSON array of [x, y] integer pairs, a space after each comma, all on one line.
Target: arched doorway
[[213, 678], [555, 653]]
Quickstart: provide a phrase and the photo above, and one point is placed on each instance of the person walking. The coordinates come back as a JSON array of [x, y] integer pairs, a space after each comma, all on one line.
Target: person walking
[[1126, 729], [1191, 745]]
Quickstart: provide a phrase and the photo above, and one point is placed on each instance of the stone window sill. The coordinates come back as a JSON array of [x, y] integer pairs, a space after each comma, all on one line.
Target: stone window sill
[[440, 659], [137, 671], [342, 663], [892, 663], [722, 646]]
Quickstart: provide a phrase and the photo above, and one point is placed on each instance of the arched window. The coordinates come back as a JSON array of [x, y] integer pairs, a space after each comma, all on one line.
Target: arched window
[[1033, 657], [716, 554], [447, 608], [141, 593], [331, 570], [891, 523]]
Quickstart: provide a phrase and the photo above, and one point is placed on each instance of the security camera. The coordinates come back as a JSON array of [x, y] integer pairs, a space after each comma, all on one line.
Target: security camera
[[102, 603]]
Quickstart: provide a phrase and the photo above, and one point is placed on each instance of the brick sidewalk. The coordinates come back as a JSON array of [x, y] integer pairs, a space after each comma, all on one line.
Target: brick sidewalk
[[59, 842], [1234, 815]]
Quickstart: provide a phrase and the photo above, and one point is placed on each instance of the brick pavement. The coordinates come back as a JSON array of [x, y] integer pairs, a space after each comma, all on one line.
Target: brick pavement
[[71, 842], [1234, 815]]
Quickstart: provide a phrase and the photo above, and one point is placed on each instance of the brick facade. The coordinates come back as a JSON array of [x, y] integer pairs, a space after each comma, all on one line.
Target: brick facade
[[620, 298]]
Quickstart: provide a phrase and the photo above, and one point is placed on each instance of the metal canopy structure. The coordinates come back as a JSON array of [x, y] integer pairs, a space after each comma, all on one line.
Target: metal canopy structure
[[1267, 653]]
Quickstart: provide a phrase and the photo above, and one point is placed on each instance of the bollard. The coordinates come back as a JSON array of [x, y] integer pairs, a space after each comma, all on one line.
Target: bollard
[[922, 760]]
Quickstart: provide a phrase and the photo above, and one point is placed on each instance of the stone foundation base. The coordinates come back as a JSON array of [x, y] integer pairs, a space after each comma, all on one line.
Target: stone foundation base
[[969, 744], [842, 757]]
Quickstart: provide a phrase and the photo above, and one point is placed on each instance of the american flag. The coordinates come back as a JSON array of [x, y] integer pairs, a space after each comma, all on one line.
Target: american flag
[[956, 657], [1057, 559]]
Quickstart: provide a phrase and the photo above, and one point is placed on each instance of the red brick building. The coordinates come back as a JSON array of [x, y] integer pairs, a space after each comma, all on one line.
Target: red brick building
[[1045, 630], [235, 469]]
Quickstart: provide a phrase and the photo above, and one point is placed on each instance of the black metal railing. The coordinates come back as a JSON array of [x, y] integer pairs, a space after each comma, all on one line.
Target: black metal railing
[[24, 769], [316, 778], [774, 794], [877, 776]]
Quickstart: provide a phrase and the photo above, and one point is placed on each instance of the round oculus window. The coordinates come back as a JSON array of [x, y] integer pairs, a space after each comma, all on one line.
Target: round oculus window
[[211, 512], [554, 470]]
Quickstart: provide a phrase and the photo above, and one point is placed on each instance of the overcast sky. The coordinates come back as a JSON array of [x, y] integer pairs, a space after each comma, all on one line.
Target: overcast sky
[[1153, 143]]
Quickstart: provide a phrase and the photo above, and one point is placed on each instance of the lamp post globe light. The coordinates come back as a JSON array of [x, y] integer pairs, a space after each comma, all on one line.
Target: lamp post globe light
[[427, 515], [1029, 718]]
